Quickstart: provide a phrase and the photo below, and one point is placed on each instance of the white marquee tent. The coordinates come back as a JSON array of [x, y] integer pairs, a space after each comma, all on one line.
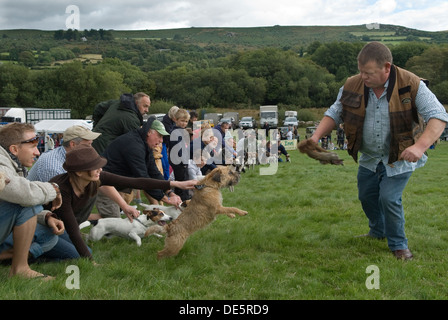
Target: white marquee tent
[[59, 126]]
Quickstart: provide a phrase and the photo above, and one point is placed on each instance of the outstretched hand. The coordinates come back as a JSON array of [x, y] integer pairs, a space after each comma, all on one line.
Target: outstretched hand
[[189, 184]]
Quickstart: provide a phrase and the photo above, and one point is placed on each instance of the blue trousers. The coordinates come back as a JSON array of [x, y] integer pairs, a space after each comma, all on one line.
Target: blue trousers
[[64, 249], [381, 200], [165, 162], [12, 215]]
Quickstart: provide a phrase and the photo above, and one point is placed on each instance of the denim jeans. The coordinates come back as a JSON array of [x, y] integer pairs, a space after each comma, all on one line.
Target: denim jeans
[[64, 249], [381, 200], [12, 215], [44, 240]]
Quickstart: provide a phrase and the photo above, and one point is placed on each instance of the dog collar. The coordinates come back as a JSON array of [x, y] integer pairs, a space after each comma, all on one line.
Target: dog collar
[[202, 186], [139, 221]]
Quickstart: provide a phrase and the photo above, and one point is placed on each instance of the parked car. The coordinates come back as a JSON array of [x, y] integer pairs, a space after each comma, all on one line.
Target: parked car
[[248, 123], [158, 116], [214, 117], [290, 121]]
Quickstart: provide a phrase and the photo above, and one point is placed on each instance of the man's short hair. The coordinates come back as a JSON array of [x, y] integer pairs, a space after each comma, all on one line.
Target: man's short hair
[[13, 133], [139, 95], [375, 51]]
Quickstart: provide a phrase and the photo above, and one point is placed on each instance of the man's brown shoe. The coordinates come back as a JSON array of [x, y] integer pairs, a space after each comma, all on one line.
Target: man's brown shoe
[[404, 254]]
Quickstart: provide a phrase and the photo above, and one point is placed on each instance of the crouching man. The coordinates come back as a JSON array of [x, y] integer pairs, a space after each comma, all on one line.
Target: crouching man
[[21, 202]]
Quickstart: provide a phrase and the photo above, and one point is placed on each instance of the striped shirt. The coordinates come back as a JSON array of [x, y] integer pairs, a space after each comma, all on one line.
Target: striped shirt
[[376, 130]]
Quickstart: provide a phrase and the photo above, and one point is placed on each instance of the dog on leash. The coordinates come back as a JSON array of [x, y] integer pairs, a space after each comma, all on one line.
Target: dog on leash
[[171, 211], [135, 230], [203, 208]]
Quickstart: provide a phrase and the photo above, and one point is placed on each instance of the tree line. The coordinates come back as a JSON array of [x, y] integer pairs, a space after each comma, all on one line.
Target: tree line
[[199, 78], [75, 35]]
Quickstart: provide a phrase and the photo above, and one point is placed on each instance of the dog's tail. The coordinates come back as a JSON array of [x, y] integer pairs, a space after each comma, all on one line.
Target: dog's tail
[[88, 223], [85, 224]]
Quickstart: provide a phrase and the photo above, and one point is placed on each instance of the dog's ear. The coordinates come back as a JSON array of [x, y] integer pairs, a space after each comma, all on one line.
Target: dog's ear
[[217, 176]]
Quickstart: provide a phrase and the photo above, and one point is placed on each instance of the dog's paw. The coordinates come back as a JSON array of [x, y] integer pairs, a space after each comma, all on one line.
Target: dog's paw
[[231, 215], [244, 213]]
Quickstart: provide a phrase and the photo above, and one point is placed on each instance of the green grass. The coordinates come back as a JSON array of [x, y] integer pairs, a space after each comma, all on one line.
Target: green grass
[[297, 243]]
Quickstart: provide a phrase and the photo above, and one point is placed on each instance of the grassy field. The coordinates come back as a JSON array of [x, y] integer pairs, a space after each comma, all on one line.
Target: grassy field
[[297, 243]]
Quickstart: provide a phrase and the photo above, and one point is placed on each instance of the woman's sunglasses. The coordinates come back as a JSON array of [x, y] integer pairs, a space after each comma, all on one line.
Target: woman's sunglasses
[[32, 140]]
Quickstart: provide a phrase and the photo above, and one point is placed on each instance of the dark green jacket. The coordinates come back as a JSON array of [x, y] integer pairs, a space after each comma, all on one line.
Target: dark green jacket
[[113, 118]]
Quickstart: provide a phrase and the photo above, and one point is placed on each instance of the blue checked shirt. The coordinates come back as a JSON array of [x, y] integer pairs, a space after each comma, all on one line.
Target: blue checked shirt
[[376, 131], [48, 165]]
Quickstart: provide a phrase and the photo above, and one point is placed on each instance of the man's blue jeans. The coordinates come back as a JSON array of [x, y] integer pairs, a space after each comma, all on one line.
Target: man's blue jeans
[[12, 215], [381, 201]]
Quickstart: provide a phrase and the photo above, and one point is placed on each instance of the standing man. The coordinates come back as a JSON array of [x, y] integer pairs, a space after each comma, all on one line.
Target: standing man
[[21, 200], [341, 136], [380, 109], [116, 117]]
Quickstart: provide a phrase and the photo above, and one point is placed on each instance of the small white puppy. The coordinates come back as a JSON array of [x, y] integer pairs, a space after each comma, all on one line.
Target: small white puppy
[[135, 230]]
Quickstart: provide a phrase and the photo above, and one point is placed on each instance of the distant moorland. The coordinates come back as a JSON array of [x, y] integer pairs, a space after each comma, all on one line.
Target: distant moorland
[[294, 67]]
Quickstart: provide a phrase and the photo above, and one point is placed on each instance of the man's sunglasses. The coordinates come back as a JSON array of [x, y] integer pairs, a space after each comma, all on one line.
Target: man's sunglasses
[[32, 140]]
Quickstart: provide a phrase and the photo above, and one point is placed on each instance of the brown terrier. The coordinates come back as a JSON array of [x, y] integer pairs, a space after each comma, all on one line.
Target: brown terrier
[[201, 211]]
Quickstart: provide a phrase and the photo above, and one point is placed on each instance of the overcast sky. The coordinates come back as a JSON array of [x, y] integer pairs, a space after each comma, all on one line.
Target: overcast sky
[[429, 15]]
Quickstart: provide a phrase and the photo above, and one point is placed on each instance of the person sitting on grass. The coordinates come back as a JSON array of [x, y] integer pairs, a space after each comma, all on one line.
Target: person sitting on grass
[[21, 202], [81, 182]]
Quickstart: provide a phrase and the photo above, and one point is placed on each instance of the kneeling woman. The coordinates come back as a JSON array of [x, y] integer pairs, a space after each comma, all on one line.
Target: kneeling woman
[[81, 182]]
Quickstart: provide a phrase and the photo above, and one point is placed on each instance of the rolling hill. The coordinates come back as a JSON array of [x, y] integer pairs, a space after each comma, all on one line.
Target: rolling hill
[[275, 36]]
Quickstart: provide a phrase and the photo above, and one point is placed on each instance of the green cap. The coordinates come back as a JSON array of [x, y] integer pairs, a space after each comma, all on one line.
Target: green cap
[[159, 127]]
